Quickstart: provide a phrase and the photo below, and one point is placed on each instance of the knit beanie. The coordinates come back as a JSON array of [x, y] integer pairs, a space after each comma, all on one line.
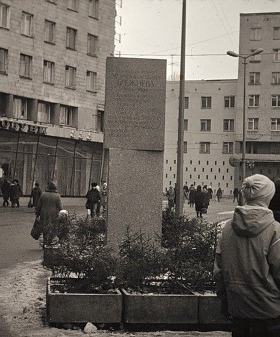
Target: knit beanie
[[258, 186]]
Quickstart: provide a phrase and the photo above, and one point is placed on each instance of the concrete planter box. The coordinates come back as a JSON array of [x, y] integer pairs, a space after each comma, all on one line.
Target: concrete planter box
[[209, 310], [159, 308], [81, 308]]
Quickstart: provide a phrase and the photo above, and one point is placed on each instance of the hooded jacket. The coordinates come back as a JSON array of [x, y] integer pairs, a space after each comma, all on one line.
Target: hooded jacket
[[248, 263]]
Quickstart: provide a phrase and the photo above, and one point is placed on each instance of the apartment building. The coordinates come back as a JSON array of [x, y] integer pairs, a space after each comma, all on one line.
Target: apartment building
[[214, 115], [52, 86]]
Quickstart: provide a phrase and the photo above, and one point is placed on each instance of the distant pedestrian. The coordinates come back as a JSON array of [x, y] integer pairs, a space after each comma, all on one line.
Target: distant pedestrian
[[48, 208], [104, 196], [247, 264], [186, 190], [219, 194], [275, 201], [192, 191], [235, 194], [170, 197], [93, 200], [15, 193], [206, 196], [5, 189], [210, 192], [35, 195], [199, 200]]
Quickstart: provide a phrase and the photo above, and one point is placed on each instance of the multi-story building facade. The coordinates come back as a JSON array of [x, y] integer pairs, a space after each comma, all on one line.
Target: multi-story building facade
[[52, 68], [214, 114]]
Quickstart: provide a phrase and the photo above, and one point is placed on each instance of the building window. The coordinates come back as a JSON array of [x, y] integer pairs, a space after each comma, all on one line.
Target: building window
[[254, 100], [66, 115], [49, 31], [26, 24], [228, 124], [48, 71], [206, 102], [253, 124], [20, 108], [256, 34], [92, 44], [227, 147], [100, 122], [275, 124], [71, 35], [186, 102], [4, 16], [229, 101], [91, 81], [204, 147], [254, 78], [73, 4], [276, 33], [186, 124], [44, 112], [94, 8], [275, 100], [275, 78], [70, 79], [205, 125], [276, 55], [25, 67], [3, 61], [255, 58], [185, 147]]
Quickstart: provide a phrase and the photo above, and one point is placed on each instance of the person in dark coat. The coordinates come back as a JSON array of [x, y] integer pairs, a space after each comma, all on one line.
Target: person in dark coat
[[219, 194], [206, 196], [235, 194], [48, 208], [94, 200], [274, 204], [192, 191], [35, 195], [15, 193], [171, 197], [5, 189], [199, 200]]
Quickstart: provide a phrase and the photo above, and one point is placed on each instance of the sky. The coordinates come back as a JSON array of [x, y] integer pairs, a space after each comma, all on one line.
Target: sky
[[152, 29]]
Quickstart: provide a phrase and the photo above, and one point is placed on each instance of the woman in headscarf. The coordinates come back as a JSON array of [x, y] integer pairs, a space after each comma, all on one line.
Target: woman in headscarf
[[48, 209], [247, 264]]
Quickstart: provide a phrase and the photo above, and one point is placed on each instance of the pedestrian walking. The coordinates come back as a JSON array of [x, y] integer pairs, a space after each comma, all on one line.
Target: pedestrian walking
[[170, 197], [210, 192], [186, 190], [206, 197], [235, 194], [275, 201], [247, 264], [104, 196], [199, 200], [5, 189], [219, 194], [93, 200], [15, 193], [192, 191], [48, 208], [35, 195]]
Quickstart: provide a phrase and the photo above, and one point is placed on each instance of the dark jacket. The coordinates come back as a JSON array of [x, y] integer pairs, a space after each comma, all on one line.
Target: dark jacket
[[93, 196], [275, 203], [15, 191], [5, 188], [199, 200], [35, 195]]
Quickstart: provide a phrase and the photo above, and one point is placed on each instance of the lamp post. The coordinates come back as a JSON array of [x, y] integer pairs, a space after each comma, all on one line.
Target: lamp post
[[244, 58]]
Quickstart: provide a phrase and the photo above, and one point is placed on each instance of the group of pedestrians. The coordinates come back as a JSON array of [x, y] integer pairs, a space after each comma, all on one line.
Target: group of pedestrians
[[97, 199], [11, 192]]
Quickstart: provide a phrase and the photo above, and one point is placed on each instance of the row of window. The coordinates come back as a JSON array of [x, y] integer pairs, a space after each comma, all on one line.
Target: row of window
[[229, 101], [228, 124], [25, 71], [204, 147], [27, 29], [256, 33]]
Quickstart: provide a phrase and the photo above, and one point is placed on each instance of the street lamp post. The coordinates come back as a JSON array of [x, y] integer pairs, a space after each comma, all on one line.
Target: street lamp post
[[244, 58]]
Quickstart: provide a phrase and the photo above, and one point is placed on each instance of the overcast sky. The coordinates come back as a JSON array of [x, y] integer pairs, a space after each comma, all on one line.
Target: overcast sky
[[152, 29]]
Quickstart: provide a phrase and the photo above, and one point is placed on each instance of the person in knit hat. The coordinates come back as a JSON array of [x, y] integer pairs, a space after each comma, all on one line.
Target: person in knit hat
[[247, 263]]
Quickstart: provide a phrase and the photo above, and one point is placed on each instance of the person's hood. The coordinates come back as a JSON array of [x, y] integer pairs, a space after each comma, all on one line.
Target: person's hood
[[249, 221]]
